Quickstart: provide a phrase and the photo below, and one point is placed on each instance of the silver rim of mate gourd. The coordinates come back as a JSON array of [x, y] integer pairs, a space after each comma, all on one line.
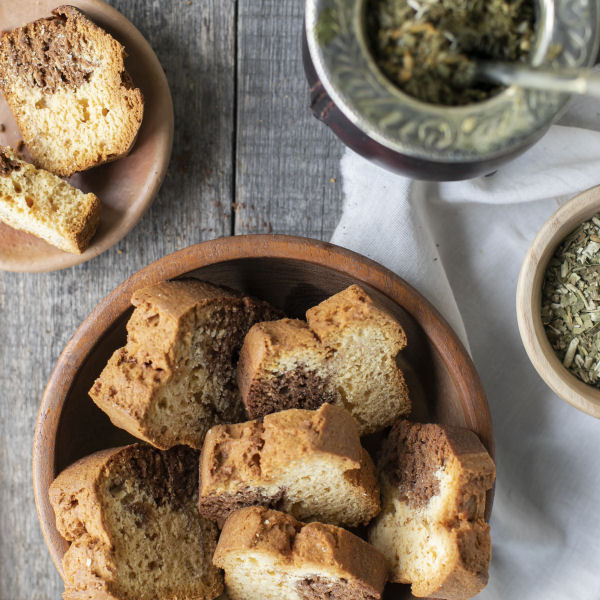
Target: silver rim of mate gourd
[[474, 132]]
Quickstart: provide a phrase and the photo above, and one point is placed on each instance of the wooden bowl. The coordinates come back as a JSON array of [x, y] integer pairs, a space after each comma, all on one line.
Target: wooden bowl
[[529, 302], [125, 187], [293, 274]]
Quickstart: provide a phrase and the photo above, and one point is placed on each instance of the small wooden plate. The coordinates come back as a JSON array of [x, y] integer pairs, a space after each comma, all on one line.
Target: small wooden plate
[[529, 302], [125, 187], [291, 273]]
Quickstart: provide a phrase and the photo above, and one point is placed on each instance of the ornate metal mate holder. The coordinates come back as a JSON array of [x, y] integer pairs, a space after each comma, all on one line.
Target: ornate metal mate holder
[[427, 141]]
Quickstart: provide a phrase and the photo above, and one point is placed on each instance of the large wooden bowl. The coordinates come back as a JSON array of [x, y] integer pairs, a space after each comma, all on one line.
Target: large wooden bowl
[[293, 274], [529, 302]]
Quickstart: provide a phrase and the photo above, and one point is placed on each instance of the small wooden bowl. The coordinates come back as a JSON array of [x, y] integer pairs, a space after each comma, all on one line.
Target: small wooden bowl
[[291, 273], [529, 300], [125, 187]]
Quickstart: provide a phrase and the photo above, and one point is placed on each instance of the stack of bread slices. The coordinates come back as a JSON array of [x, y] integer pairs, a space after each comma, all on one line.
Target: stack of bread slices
[[253, 470], [76, 107]]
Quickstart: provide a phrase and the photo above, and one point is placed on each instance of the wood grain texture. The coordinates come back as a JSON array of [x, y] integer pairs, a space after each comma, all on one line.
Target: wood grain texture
[[287, 162], [282, 183], [284, 167], [38, 313]]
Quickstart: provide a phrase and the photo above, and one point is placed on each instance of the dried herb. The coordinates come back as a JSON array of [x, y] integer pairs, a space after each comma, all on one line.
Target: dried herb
[[571, 302], [426, 47], [325, 28]]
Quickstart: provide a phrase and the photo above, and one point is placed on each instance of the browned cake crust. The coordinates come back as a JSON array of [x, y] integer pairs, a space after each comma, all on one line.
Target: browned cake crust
[[295, 364], [308, 463], [413, 470], [350, 306], [67, 55], [106, 500], [37, 202], [175, 378], [294, 388], [434, 481], [342, 564]]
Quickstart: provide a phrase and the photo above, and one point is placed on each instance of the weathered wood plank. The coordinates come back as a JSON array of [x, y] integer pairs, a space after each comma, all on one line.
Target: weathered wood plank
[[287, 162], [38, 313], [285, 165]]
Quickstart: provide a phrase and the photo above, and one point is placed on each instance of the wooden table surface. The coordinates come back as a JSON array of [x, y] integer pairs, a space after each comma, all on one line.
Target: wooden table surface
[[248, 158]]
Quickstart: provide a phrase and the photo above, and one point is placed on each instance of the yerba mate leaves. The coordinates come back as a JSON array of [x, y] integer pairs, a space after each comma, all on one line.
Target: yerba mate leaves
[[571, 302], [426, 47]]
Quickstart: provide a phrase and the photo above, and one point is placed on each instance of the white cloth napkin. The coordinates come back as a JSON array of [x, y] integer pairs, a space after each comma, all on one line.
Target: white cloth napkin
[[462, 244]]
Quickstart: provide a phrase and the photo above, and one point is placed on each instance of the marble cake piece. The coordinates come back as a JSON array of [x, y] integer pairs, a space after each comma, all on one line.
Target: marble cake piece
[[269, 555], [65, 82], [131, 517], [175, 377], [307, 463], [345, 354], [431, 527]]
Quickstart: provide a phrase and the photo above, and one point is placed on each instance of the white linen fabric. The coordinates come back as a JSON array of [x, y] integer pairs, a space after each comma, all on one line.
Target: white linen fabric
[[462, 244]]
